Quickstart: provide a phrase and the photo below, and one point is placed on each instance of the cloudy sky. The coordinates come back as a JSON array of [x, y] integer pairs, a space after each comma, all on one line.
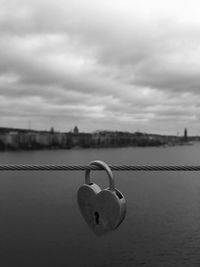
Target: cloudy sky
[[110, 64]]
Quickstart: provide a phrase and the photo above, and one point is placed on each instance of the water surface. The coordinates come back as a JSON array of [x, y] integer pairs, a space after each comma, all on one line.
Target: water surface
[[40, 224]]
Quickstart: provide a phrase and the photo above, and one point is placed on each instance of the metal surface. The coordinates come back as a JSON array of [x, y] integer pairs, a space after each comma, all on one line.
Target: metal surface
[[103, 165], [103, 210], [58, 167]]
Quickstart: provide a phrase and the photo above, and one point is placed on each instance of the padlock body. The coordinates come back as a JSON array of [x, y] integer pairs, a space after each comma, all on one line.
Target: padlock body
[[103, 210]]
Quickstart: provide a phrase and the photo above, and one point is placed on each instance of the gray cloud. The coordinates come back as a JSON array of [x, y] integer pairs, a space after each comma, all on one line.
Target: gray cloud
[[100, 64]]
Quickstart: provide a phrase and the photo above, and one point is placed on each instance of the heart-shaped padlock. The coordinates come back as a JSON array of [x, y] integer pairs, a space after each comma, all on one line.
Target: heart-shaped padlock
[[103, 210]]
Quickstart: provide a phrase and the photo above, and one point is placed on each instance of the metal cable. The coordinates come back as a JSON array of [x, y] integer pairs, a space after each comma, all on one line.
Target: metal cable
[[52, 167]]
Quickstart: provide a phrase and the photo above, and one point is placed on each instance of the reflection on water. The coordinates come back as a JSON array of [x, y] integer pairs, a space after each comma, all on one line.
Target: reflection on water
[[40, 224]]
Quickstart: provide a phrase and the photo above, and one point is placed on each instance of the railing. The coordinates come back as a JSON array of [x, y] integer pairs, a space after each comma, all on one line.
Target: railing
[[57, 167]]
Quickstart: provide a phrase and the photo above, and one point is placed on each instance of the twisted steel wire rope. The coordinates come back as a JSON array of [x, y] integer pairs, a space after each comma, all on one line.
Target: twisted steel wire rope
[[58, 167]]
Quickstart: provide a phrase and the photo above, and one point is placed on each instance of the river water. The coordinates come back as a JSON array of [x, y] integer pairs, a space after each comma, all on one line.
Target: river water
[[40, 223]]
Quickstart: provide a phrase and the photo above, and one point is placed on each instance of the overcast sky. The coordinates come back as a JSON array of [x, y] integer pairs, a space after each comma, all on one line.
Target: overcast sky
[[100, 64]]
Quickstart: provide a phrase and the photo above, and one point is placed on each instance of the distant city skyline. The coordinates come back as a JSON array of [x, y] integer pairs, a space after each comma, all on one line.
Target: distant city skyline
[[119, 65], [76, 130]]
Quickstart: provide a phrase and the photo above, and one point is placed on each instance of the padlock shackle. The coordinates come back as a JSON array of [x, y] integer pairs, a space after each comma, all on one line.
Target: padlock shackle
[[102, 164]]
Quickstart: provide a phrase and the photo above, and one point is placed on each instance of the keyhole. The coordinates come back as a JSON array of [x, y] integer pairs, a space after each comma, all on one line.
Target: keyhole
[[96, 214]]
